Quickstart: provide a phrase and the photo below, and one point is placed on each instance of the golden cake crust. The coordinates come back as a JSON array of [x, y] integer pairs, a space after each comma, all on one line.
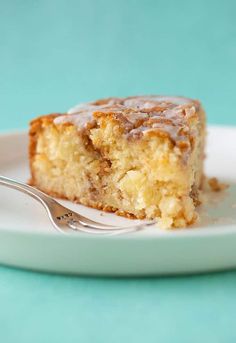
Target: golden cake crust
[[35, 128]]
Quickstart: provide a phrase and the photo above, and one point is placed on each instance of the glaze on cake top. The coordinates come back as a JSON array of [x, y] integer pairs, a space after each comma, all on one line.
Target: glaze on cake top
[[139, 115]]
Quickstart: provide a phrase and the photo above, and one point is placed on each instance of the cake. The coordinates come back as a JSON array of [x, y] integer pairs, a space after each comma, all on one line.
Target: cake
[[140, 157]]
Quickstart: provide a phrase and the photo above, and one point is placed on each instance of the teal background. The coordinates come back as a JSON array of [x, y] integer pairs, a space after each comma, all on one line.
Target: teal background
[[54, 54], [49, 308]]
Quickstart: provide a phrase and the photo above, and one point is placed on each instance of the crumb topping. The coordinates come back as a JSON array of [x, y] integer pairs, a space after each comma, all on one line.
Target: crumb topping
[[216, 185]]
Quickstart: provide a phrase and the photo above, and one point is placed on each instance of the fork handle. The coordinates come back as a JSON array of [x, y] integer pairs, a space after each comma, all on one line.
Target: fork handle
[[23, 187]]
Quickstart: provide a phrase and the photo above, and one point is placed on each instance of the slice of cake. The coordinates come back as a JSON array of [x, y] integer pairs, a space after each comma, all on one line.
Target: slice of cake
[[141, 157]]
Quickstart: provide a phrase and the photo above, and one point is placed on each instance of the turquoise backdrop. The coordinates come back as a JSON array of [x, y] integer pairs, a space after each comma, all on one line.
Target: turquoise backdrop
[[54, 54]]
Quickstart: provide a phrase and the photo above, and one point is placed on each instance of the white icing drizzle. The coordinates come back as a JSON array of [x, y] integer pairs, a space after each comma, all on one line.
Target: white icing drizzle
[[79, 115], [80, 120], [151, 101], [88, 106], [82, 114], [81, 107]]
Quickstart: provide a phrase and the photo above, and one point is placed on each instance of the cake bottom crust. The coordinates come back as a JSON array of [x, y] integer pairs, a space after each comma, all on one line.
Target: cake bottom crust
[[99, 206], [88, 203]]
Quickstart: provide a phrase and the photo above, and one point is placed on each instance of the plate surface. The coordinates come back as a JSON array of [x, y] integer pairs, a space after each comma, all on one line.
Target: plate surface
[[28, 240]]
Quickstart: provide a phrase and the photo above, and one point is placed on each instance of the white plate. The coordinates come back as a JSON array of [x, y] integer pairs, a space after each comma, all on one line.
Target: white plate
[[27, 239]]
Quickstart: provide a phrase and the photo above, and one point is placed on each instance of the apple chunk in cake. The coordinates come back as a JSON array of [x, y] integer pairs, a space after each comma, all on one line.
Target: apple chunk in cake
[[141, 157]]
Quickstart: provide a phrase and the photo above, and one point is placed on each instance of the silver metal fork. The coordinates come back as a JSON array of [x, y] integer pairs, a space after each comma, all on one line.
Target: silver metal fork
[[66, 220]]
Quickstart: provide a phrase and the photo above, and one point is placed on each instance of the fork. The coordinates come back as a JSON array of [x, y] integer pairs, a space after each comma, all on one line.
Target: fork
[[66, 220]]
